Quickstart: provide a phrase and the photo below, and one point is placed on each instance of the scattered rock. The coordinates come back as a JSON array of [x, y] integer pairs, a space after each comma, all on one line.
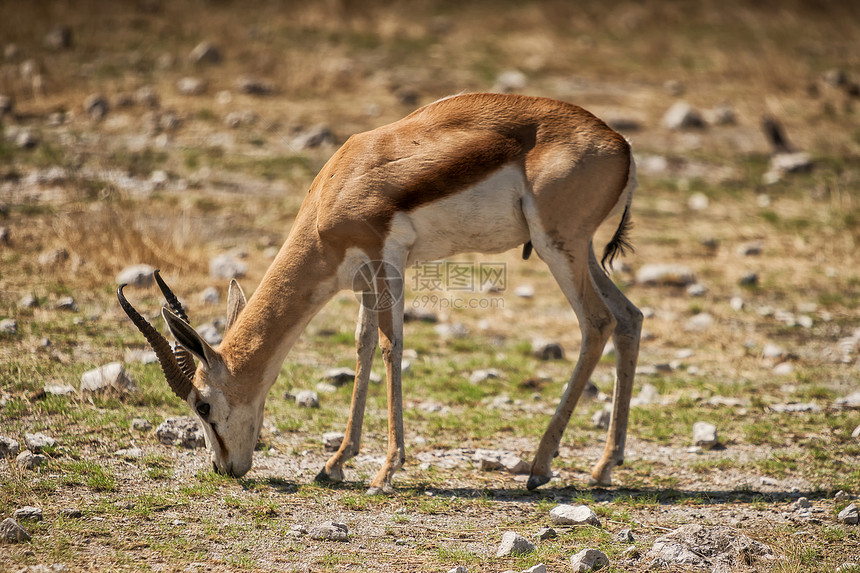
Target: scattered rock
[[205, 53], [66, 303], [723, 114], [9, 448], [329, 531], [748, 279], [237, 119], [38, 442], [183, 431], [227, 267], [625, 536], [698, 202], [589, 560], [110, 377], [332, 440], [254, 86], [697, 290], [647, 395], [695, 545], [129, 454], [7, 106], [455, 330], [71, 512], [539, 568], [699, 323], [785, 163], [665, 274], [58, 38], [841, 495], [856, 432], [795, 407], [573, 515], [705, 435], [28, 512], [60, 390], [483, 375], [146, 96], [751, 249], [631, 552], [850, 515], [96, 106], [510, 81], [191, 86], [141, 425], [141, 275], [27, 139], [28, 460], [547, 350], [545, 533], [514, 544], [307, 399], [458, 569], [317, 136], [784, 369], [524, 291], [514, 464], [682, 116], [601, 418], [339, 376], [12, 532], [849, 401], [802, 503], [8, 326]]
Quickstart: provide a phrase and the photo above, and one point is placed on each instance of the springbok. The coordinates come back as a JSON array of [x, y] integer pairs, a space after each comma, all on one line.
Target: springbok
[[469, 173]]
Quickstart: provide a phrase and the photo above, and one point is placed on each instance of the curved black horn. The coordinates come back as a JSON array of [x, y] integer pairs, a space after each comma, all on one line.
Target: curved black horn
[[183, 357], [179, 382]]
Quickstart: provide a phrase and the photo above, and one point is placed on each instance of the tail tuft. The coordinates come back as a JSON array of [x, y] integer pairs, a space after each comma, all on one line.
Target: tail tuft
[[620, 243]]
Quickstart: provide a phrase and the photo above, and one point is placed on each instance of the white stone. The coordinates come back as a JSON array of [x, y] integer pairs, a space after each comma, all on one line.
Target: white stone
[[573, 515], [699, 323], [28, 512], [182, 431], [12, 532], [38, 441], [329, 531], [524, 291], [110, 377], [682, 116], [307, 399], [705, 434], [227, 267], [589, 560], [698, 202], [332, 440], [665, 274], [539, 568], [9, 447], [514, 544], [850, 515], [8, 326], [483, 375], [59, 389]]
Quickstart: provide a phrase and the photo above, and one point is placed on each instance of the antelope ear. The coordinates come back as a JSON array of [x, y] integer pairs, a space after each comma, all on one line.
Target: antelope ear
[[235, 302], [190, 339]]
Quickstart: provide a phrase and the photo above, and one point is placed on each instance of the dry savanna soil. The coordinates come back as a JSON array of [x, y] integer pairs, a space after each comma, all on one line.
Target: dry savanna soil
[[119, 146]]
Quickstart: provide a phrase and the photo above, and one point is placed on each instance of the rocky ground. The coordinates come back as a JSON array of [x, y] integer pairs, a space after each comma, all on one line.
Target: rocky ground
[[183, 136]]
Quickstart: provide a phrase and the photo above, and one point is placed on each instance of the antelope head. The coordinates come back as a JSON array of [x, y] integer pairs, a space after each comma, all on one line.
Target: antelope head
[[231, 418]]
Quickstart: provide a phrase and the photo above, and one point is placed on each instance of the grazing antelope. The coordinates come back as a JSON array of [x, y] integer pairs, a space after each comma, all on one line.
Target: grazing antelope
[[477, 172]]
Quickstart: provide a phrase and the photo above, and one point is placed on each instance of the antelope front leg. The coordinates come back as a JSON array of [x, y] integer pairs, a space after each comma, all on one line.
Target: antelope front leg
[[365, 342], [391, 343]]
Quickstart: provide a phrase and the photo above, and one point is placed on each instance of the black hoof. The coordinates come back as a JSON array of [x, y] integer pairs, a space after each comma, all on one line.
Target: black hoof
[[324, 478], [536, 481]]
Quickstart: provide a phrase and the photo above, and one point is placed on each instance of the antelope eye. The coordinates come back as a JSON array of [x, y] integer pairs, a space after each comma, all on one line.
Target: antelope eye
[[203, 409]]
